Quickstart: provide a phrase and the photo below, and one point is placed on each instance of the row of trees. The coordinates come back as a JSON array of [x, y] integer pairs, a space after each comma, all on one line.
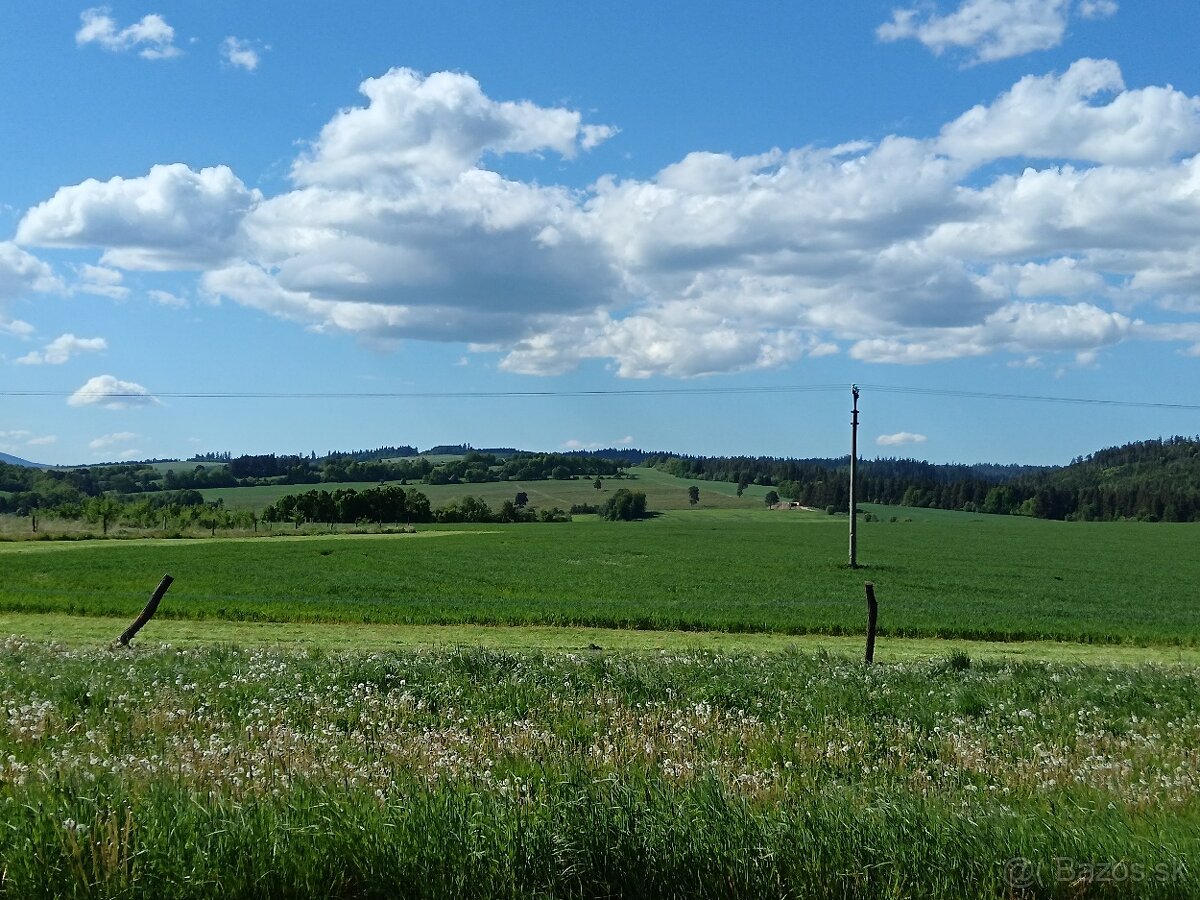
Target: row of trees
[[107, 512], [382, 504], [394, 504]]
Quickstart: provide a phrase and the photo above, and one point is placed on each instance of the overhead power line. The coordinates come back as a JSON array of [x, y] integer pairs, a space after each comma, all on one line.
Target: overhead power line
[[424, 395], [1026, 398], [611, 392]]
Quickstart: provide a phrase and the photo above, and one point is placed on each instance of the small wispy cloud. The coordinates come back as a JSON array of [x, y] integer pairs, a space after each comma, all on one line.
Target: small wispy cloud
[[111, 440], [242, 54], [1028, 362], [101, 280], [1097, 9], [10, 441], [991, 30], [900, 438], [15, 327], [575, 444], [61, 349], [166, 298], [151, 36]]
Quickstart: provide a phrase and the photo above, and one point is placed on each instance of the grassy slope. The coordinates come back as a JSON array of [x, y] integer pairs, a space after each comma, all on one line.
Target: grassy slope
[[738, 570], [663, 492]]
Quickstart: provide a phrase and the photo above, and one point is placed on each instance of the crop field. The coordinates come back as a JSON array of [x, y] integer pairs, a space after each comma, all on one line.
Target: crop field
[[233, 772], [950, 575]]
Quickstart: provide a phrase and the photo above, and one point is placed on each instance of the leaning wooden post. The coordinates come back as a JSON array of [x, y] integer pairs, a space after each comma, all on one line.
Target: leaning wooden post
[[147, 613], [872, 619]]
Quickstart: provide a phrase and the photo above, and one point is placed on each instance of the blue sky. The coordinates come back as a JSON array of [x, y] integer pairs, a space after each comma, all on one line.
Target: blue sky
[[702, 204]]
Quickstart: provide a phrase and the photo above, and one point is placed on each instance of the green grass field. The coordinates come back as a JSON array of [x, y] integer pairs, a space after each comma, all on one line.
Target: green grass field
[[951, 575]]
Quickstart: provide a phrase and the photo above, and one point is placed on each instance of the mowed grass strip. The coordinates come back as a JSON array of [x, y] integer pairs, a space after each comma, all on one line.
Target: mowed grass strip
[[98, 631], [952, 577]]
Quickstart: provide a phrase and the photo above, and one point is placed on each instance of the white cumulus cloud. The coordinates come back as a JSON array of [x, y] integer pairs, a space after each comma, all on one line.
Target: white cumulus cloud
[[1055, 116], [111, 393], [437, 126], [907, 250], [150, 36], [171, 218]]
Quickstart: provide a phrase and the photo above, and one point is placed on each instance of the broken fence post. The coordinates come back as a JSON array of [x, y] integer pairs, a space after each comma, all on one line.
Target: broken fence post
[[147, 613], [872, 619]]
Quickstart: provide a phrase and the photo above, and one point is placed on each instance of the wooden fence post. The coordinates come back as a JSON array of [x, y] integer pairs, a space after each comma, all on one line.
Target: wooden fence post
[[872, 619], [147, 613]]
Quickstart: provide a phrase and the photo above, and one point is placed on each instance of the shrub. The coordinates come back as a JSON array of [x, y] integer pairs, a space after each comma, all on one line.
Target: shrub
[[624, 506]]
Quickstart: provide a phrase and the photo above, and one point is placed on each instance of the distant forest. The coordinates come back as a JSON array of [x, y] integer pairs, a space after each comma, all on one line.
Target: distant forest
[[1155, 480], [24, 489]]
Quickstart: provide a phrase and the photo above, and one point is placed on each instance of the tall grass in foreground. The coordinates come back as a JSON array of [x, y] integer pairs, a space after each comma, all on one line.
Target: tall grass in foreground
[[567, 835], [467, 773]]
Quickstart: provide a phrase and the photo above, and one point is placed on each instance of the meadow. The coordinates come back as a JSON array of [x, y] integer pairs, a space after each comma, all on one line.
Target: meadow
[[945, 575], [338, 716], [264, 772], [663, 492]]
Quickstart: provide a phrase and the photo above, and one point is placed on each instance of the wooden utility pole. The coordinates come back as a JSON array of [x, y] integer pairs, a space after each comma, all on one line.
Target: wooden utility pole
[[854, 480]]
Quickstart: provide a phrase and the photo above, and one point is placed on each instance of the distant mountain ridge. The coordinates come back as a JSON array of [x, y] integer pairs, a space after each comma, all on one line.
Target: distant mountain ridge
[[17, 461]]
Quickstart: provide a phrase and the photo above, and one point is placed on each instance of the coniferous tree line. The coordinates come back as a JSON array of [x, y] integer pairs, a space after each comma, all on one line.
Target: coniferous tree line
[[1154, 480]]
